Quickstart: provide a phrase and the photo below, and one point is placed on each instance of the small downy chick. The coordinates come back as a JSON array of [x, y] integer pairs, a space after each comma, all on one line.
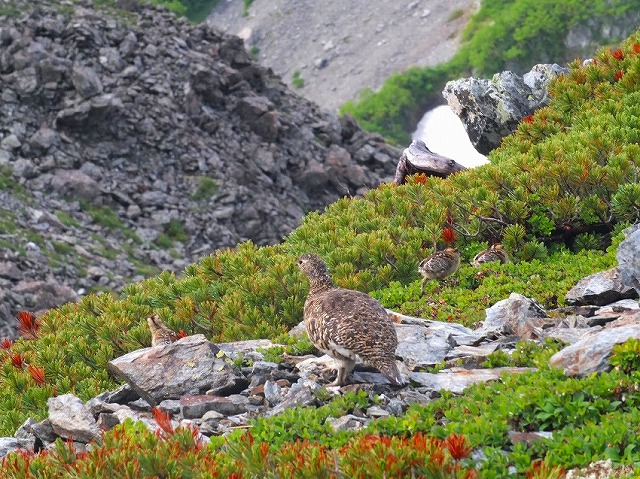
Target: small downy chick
[[494, 253], [347, 324], [161, 334], [439, 265]]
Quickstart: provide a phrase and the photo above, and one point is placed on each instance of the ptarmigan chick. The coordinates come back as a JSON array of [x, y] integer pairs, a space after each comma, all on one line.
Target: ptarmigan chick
[[495, 253], [347, 324], [161, 334], [439, 265]]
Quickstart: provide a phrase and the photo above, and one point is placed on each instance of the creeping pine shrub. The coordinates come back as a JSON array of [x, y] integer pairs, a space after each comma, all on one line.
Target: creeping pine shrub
[[132, 450]]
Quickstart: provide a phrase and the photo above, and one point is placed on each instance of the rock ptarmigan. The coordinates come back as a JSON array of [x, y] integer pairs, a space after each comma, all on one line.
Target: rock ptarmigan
[[494, 253], [161, 334], [346, 324], [439, 265]]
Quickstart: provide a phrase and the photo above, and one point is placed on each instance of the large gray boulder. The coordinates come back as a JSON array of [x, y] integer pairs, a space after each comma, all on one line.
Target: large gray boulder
[[600, 288], [592, 352], [492, 109], [190, 366], [628, 256]]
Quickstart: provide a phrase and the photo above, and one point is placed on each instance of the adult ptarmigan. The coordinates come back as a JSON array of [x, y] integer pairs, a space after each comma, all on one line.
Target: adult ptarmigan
[[347, 324]]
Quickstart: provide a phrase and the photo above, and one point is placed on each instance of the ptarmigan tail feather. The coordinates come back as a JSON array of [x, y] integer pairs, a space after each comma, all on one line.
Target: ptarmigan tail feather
[[392, 373]]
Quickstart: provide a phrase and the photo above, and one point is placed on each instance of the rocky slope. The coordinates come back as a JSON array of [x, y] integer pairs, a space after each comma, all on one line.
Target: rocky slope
[[339, 48], [132, 141]]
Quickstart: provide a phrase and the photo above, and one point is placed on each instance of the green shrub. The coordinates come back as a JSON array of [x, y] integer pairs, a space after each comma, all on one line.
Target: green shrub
[[245, 7], [395, 109], [175, 230], [626, 356]]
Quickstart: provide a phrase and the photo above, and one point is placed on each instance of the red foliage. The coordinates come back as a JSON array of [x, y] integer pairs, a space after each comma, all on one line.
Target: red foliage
[[448, 235], [17, 360], [457, 446], [28, 325], [163, 419], [264, 450], [37, 374], [420, 178], [617, 54], [636, 48], [6, 343], [618, 75], [528, 119], [182, 334]]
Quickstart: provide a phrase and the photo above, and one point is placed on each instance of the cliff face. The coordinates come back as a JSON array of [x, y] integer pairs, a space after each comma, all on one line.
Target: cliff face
[[134, 141]]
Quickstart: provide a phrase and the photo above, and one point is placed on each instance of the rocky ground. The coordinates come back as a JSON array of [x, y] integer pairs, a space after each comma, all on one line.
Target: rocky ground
[[133, 142], [339, 48]]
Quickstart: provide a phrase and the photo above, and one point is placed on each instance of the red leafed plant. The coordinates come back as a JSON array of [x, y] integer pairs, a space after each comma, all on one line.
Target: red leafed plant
[[6, 343], [18, 361], [528, 119], [182, 334], [636, 48], [448, 235], [163, 419], [420, 178], [617, 54], [37, 373], [618, 75], [458, 446], [28, 325]]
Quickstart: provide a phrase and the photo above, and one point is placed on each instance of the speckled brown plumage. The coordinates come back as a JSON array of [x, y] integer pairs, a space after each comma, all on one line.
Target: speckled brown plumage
[[439, 265], [161, 334], [495, 253], [347, 324]]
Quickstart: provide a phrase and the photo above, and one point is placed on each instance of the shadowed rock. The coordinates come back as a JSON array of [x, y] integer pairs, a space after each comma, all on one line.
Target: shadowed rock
[[600, 288], [628, 255]]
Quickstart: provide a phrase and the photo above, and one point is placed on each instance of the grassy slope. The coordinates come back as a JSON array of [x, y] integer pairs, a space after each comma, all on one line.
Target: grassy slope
[[572, 168]]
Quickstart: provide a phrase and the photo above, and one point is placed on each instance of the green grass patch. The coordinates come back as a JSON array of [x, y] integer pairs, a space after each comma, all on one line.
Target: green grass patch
[[207, 189], [296, 79], [66, 219]]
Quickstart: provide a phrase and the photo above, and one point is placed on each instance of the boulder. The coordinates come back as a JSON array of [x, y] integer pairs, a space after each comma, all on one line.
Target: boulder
[[628, 256], [517, 315], [190, 366], [76, 184], [70, 418], [591, 353], [492, 109]]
